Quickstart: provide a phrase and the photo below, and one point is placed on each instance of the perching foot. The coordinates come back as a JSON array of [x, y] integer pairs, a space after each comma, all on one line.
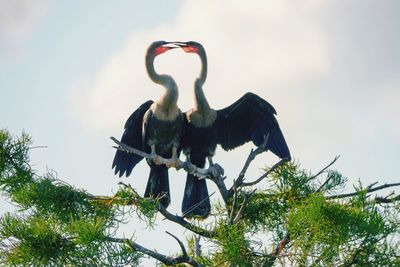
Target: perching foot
[[216, 170]]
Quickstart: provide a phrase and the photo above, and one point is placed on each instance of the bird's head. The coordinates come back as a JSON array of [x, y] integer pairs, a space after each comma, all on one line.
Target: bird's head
[[159, 47], [190, 47]]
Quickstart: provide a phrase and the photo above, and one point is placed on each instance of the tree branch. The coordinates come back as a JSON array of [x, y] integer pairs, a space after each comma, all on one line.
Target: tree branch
[[235, 192], [160, 208], [269, 262], [189, 168], [246, 200], [369, 190], [324, 169], [386, 200], [272, 169], [181, 221], [158, 256], [219, 181], [197, 205], [253, 154], [184, 252]]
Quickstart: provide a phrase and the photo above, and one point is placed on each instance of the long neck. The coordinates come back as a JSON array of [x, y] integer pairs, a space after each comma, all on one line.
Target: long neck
[[200, 100], [170, 97]]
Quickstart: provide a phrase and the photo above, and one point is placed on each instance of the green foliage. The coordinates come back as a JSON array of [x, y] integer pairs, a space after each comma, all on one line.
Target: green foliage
[[57, 223], [299, 218], [234, 247], [146, 208], [266, 212], [39, 241], [328, 227], [269, 209]]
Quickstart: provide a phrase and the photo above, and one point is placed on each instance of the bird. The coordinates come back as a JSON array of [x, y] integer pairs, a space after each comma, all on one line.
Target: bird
[[156, 128], [250, 118]]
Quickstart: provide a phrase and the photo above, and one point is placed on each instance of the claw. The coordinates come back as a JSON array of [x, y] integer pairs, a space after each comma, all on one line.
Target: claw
[[154, 157], [172, 163], [187, 166], [216, 170], [157, 159]]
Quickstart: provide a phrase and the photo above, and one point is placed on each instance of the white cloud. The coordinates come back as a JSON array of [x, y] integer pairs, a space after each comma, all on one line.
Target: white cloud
[[292, 54], [19, 17], [266, 47]]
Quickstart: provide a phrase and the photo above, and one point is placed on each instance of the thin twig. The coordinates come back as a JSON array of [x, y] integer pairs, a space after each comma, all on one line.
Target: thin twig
[[190, 209], [235, 192], [386, 200], [197, 246], [324, 169], [246, 200], [184, 253], [252, 155], [372, 185], [272, 169], [219, 182], [321, 171], [269, 262], [34, 147], [181, 221], [369, 190], [158, 256], [169, 216]]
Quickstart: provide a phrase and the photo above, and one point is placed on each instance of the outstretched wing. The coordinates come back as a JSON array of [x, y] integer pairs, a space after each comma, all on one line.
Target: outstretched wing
[[132, 136], [249, 119]]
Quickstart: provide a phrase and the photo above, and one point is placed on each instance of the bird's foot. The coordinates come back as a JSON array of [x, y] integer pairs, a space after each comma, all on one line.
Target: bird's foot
[[192, 169], [189, 167], [172, 163], [215, 170], [156, 159]]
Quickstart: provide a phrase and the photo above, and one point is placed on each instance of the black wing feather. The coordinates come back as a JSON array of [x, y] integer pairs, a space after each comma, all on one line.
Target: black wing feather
[[132, 136], [249, 119]]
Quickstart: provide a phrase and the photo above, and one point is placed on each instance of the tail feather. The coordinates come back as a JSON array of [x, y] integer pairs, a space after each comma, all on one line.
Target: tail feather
[[277, 144], [158, 184], [196, 202]]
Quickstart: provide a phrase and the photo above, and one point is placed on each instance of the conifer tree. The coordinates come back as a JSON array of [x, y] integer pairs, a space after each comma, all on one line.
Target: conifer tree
[[303, 219]]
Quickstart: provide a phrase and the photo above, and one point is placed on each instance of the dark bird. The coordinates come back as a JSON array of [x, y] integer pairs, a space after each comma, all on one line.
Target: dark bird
[[248, 119], [154, 127]]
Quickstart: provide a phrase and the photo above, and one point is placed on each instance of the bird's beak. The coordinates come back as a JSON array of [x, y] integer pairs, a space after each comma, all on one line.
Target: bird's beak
[[179, 44], [170, 45]]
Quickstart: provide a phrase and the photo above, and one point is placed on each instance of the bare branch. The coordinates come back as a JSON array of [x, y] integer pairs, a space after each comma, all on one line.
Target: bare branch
[[235, 192], [324, 169], [181, 221], [191, 169], [321, 171], [369, 190], [34, 147], [219, 181], [197, 205], [246, 200], [158, 256], [197, 246], [253, 154], [272, 169], [169, 216], [184, 252], [386, 200]]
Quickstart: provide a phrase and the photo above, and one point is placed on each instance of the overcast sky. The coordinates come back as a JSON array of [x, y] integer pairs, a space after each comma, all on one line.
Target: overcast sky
[[71, 73]]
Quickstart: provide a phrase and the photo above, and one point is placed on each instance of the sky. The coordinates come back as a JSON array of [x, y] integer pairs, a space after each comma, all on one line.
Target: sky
[[72, 72]]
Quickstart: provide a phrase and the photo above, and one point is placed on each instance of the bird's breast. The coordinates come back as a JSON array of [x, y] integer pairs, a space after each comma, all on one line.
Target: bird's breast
[[170, 113], [164, 134], [201, 119]]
